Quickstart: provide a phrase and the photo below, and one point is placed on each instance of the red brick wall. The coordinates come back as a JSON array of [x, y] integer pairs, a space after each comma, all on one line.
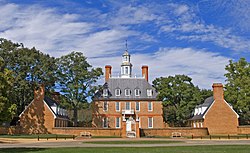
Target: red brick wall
[[244, 129], [10, 130], [185, 131], [143, 114], [220, 119], [94, 131], [37, 118]]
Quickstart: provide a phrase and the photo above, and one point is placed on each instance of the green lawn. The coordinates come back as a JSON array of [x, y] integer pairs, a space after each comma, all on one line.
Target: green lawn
[[186, 149], [134, 142]]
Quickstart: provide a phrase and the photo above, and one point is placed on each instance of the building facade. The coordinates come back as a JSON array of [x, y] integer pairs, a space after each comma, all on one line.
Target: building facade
[[216, 114], [126, 102], [42, 114]]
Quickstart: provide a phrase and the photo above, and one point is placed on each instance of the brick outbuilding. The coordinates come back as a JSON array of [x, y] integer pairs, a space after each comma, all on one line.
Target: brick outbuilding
[[42, 114], [216, 114]]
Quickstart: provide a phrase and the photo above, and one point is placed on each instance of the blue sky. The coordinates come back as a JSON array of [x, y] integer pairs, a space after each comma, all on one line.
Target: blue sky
[[192, 37]]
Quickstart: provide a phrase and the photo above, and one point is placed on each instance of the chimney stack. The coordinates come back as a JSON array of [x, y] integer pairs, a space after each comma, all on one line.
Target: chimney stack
[[218, 91], [107, 72], [39, 92], [145, 71], [56, 97]]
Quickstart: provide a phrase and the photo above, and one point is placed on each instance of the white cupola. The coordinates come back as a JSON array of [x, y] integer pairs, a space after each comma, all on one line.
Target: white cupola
[[126, 66]]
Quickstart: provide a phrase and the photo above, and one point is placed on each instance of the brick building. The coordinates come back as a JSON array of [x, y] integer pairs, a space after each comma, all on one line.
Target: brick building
[[43, 114], [216, 114], [126, 102]]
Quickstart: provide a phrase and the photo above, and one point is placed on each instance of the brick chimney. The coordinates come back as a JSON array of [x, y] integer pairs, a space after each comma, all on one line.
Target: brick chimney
[[107, 72], [56, 96], [39, 92], [145, 71], [218, 91]]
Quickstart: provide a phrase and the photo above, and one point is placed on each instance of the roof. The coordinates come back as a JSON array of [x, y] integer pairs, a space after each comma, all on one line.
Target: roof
[[207, 103], [50, 102], [126, 83]]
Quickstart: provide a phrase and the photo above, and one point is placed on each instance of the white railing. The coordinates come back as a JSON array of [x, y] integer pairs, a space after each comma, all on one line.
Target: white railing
[[131, 111]]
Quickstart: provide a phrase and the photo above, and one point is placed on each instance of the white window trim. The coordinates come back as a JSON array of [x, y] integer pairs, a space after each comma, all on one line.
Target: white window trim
[[106, 121], [119, 122], [151, 106], [126, 105], [138, 92], [149, 92], [104, 106], [139, 122], [129, 92], [139, 106], [119, 106], [152, 122], [119, 92], [105, 94]]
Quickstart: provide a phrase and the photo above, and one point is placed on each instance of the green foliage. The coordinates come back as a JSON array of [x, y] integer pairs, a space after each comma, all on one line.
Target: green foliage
[[7, 108], [29, 68], [76, 78], [238, 88], [179, 96]]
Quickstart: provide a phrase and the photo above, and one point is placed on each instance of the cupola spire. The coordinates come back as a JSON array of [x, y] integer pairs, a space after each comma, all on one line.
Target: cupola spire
[[126, 66]]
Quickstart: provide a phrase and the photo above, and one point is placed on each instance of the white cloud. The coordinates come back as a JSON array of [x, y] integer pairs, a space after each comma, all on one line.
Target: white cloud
[[187, 26], [204, 67], [59, 34]]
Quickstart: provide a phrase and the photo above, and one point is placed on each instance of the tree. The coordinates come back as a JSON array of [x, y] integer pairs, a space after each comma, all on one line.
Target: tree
[[238, 88], [76, 78], [179, 96], [30, 67], [7, 107]]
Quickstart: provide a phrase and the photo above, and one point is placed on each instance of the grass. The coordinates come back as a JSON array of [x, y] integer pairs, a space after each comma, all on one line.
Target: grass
[[182, 149], [134, 142], [33, 136]]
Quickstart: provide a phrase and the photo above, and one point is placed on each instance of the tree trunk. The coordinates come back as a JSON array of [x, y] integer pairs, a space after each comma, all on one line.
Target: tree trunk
[[75, 116]]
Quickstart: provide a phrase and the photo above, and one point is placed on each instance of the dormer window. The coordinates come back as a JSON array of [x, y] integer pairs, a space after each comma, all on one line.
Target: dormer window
[[117, 92], [105, 92], [127, 92], [137, 92], [149, 92]]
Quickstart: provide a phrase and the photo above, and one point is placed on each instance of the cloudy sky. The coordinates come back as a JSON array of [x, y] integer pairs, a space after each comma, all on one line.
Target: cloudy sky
[[192, 37]]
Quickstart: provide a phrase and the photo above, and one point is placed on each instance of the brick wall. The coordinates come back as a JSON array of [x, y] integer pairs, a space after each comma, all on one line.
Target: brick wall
[[185, 131], [244, 129], [37, 118], [143, 113], [10, 130], [221, 119], [94, 131]]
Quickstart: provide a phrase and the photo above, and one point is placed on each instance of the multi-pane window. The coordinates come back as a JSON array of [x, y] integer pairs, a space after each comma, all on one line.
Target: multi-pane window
[[149, 92], [127, 106], [105, 106], [150, 122], [117, 106], [105, 122], [127, 92], [137, 106], [137, 92], [117, 92], [105, 92], [117, 122], [150, 107]]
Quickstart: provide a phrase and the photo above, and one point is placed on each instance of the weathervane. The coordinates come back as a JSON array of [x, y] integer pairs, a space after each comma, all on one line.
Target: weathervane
[[126, 45]]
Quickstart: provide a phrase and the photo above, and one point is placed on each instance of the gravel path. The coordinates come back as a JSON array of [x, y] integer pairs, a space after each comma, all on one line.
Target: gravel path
[[33, 143]]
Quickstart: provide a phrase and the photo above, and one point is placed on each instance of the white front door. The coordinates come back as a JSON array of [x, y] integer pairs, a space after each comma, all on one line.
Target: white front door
[[128, 126]]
